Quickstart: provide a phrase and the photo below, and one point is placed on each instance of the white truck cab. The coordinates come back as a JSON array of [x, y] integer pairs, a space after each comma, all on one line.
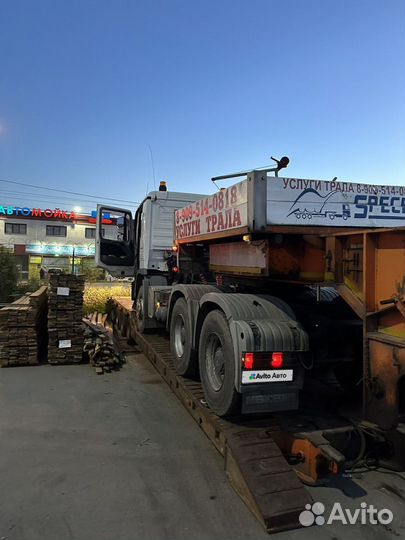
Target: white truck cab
[[127, 245]]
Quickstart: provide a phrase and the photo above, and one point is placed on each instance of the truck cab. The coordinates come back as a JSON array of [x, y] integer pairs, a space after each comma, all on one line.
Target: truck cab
[[140, 246], [128, 245]]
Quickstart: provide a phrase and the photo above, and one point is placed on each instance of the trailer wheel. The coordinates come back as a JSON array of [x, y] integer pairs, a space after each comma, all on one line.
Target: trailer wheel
[[184, 357], [217, 366], [139, 311]]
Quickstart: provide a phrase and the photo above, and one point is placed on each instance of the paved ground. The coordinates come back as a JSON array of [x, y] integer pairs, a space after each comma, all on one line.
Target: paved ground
[[89, 457]]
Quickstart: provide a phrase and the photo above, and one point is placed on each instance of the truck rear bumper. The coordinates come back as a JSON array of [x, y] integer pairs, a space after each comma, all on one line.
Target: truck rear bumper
[[264, 401]]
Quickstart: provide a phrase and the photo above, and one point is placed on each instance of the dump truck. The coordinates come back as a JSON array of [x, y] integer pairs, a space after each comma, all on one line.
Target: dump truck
[[250, 295], [243, 297]]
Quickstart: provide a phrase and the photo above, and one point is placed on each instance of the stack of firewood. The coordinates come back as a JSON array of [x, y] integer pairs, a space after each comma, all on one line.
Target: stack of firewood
[[99, 345], [23, 335], [65, 300]]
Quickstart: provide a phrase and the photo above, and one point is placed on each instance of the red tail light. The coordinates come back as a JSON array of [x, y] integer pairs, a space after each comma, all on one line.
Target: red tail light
[[175, 269], [261, 360], [248, 360], [277, 359]]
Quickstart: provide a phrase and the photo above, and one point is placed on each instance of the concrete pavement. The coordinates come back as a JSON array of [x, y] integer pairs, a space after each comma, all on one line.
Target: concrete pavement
[[117, 457], [108, 457]]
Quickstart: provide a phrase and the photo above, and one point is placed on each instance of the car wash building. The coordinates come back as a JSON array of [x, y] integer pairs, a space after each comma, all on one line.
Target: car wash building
[[48, 238]]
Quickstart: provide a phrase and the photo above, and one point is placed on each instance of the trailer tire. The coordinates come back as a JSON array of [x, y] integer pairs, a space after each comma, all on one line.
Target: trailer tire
[[184, 357], [217, 365]]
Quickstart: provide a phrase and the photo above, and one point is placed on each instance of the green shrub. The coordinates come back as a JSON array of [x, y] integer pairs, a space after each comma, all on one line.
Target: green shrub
[[93, 274], [8, 275], [95, 298]]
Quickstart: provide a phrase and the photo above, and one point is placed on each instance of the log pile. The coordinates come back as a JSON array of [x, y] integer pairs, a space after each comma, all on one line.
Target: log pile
[[23, 330], [65, 300], [99, 345]]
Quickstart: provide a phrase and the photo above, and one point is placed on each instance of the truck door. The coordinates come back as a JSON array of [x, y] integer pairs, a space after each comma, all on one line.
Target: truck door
[[115, 251]]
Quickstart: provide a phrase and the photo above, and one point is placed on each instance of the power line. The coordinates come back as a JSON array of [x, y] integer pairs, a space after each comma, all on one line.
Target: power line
[[51, 200], [65, 191]]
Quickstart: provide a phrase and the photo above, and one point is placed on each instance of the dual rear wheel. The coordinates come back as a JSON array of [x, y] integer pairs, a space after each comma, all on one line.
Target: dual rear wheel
[[184, 357], [215, 359]]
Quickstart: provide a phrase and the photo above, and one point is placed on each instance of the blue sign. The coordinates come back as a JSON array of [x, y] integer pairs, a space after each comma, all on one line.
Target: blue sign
[[94, 215]]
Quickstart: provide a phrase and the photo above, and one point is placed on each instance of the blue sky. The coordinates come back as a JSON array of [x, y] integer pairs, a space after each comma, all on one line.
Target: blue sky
[[212, 86]]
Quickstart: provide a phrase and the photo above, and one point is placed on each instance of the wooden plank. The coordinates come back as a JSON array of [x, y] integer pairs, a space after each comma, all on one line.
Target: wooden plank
[[65, 314], [23, 329]]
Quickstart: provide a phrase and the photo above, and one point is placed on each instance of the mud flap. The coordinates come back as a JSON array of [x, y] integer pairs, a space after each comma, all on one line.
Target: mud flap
[[270, 401]]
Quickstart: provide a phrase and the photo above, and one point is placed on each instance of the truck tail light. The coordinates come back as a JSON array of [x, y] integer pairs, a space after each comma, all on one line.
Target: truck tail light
[[249, 360], [262, 360], [277, 359]]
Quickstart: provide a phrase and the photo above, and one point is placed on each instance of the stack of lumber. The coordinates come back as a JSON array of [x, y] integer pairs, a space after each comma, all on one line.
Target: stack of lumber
[[65, 301], [99, 345], [23, 334]]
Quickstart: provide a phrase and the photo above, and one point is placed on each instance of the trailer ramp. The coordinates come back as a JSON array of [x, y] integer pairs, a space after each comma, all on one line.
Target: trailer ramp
[[254, 464]]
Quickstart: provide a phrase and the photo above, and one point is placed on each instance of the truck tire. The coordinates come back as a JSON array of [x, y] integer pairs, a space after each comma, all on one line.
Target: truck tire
[[139, 311], [217, 365], [184, 357]]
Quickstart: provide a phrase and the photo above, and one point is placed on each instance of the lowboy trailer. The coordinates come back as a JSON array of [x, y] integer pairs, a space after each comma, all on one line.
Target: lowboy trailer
[[258, 305]]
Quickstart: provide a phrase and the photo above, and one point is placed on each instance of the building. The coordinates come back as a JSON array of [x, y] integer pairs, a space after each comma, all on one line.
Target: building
[[49, 238]]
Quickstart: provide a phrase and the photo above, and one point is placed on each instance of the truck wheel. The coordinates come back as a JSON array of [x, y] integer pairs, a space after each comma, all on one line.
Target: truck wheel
[[217, 365], [184, 358], [139, 311]]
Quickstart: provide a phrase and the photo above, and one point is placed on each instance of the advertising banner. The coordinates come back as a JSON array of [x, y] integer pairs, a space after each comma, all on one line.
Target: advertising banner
[[294, 201], [225, 210], [55, 249]]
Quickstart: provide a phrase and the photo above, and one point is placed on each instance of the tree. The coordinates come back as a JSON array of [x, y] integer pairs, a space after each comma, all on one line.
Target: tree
[[8, 275]]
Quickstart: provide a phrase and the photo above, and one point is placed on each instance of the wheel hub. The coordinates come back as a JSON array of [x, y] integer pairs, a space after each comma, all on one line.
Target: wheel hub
[[179, 336], [215, 362]]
